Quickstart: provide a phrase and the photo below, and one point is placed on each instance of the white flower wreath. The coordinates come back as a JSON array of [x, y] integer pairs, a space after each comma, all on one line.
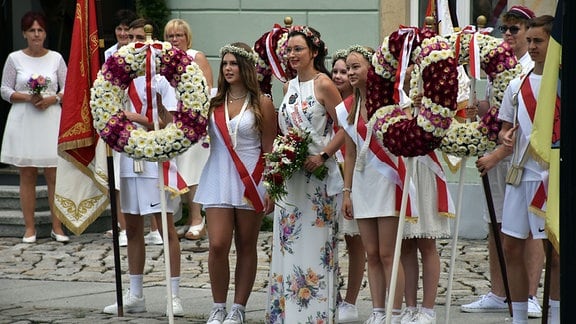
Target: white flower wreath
[[500, 65], [108, 96]]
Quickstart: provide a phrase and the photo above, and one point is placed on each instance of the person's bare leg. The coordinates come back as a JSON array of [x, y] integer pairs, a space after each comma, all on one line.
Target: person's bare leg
[[50, 176], [409, 259], [535, 259], [356, 266], [430, 271], [173, 242], [496, 281], [119, 213], [514, 250], [136, 249], [247, 228], [195, 208], [387, 228], [219, 242], [376, 279], [28, 177]]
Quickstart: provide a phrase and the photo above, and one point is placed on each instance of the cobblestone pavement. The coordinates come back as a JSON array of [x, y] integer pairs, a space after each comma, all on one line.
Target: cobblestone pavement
[[89, 259]]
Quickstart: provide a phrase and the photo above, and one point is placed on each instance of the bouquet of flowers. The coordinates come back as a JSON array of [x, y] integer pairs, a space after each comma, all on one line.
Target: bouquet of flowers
[[289, 152], [37, 83]]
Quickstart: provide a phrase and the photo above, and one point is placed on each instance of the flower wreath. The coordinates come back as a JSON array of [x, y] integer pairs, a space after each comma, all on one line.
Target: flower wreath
[[108, 95], [394, 129], [497, 60], [271, 50], [251, 56]]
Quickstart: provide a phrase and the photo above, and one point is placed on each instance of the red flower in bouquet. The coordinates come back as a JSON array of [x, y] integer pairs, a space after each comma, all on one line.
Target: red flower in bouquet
[[37, 84]]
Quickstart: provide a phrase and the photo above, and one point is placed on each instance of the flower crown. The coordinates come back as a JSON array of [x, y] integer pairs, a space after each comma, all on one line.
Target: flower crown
[[308, 33], [251, 56], [340, 54], [361, 50]]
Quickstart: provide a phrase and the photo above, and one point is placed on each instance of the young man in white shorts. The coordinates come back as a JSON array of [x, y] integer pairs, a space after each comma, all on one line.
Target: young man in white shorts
[[518, 221], [140, 193]]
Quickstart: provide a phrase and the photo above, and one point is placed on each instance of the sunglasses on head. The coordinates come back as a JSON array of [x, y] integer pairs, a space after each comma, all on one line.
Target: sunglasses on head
[[513, 29]]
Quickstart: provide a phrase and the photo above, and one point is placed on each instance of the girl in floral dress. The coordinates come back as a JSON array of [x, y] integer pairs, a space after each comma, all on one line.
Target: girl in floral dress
[[303, 271]]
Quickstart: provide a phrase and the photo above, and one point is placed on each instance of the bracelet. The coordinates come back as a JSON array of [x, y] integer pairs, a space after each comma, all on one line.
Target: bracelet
[[346, 190], [58, 99]]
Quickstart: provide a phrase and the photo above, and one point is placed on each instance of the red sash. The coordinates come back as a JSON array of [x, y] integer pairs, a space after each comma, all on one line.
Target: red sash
[[249, 181], [441, 189], [528, 97], [385, 158], [540, 197]]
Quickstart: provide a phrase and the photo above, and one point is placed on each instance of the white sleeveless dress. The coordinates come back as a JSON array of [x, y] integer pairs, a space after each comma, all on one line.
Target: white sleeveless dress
[[220, 184], [303, 271]]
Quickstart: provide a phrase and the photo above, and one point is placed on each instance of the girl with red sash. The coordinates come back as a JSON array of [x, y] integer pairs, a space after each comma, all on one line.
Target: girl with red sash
[[370, 187], [242, 127], [347, 310]]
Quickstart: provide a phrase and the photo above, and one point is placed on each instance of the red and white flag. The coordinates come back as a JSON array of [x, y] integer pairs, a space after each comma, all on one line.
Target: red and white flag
[[81, 192]]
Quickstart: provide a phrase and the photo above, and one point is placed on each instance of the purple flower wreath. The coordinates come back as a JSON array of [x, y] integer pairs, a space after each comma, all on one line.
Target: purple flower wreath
[[108, 96]]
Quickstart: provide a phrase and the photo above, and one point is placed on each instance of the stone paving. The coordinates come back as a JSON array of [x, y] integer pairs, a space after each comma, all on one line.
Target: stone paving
[[89, 258]]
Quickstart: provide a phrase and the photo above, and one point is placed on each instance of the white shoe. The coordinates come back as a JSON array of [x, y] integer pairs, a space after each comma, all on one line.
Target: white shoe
[[59, 238], [122, 238], [486, 304], [217, 316], [376, 318], [534, 309], [153, 238], [423, 318], [177, 309], [408, 314], [131, 304], [236, 316], [347, 312]]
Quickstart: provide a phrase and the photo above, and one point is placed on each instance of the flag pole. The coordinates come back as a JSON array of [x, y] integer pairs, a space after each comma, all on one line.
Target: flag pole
[[399, 237], [166, 240], [115, 243]]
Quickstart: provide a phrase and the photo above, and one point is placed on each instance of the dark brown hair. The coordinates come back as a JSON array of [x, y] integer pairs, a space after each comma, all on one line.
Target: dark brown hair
[[28, 20]]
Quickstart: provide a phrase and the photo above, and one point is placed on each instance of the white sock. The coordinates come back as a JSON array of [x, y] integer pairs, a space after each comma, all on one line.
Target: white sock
[[493, 295], [136, 283], [175, 283], [428, 311], [239, 307], [396, 311], [219, 305], [554, 312], [379, 310], [520, 312]]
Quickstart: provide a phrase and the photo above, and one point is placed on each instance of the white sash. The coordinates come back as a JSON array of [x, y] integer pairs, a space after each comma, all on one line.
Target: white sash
[[334, 182]]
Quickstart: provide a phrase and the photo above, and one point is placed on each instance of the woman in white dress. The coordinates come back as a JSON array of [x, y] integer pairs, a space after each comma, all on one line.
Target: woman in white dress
[[347, 310], [191, 162], [372, 188], [303, 272], [31, 135], [242, 127]]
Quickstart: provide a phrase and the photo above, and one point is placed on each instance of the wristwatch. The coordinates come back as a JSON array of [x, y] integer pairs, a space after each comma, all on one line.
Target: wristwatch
[[324, 156]]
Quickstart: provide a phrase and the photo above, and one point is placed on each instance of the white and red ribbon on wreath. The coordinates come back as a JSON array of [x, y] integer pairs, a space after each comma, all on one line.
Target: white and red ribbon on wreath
[[275, 61], [411, 35], [172, 179], [473, 50]]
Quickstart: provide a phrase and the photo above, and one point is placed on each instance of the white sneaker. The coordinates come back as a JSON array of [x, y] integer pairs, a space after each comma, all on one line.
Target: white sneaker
[[376, 318], [153, 238], [347, 313], [423, 318], [408, 314], [217, 316], [122, 238], [396, 319], [177, 309], [534, 309], [486, 304], [131, 304], [236, 316]]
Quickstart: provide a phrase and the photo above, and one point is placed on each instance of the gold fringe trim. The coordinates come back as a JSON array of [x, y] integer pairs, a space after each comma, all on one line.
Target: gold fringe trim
[[538, 158], [175, 192], [447, 214], [537, 211], [452, 167], [553, 239], [74, 228]]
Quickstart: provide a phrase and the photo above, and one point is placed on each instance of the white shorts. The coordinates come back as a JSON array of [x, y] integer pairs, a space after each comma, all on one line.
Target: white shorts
[[517, 220], [141, 196]]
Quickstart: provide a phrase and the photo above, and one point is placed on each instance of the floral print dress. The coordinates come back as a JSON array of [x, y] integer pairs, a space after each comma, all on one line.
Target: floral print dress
[[303, 271]]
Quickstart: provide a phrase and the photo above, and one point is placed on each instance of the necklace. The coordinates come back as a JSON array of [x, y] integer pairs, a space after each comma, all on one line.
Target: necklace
[[232, 98]]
